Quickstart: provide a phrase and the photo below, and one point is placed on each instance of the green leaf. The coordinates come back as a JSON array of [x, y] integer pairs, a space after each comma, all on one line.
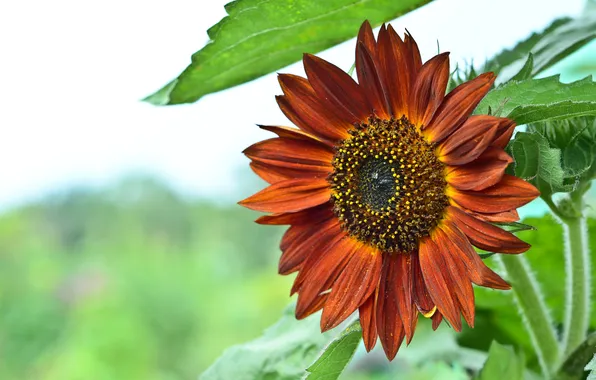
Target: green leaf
[[282, 352], [576, 138], [562, 38], [337, 355], [526, 70], [535, 100], [258, 37], [496, 313], [515, 227], [502, 363], [592, 368], [523, 48], [581, 360], [537, 162]]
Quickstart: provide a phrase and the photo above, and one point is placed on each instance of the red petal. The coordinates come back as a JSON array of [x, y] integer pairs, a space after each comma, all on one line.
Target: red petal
[[484, 172], [366, 37], [322, 269], [434, 270], [307, 216], [317, 304], [486, 236], [392, 59], [291, 234], [506, 195], [456, 107], [456, 274], [356, 283], [302, 242], [437, 318], [415, 60], [504, 132], [429, 89], [370, 82], [500, 217], [302, 106], [272, 174], [422, 299], [468, 142], [289, 132], [368, 322], [290, 196], [477, 271], [337, 89], [310, 156], [389, 321]]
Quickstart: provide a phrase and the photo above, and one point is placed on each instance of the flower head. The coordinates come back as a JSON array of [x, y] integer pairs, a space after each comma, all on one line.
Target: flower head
[[387, 184]]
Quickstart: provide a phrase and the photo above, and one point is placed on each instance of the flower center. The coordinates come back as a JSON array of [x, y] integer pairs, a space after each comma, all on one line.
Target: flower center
[[388, 185]]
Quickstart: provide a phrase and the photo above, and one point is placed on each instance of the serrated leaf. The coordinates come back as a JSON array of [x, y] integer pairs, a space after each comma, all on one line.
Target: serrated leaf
[[580, 360], [536, 100], [502, 363], [537, 162], [282, 352], [258, 37], [576, 138], [562, 38], [337, 355], [592, 368], [526, 70], [523, 48]]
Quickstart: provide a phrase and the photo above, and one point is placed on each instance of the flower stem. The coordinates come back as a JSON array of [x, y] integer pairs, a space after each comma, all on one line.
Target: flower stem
[[577, 267], [534, 311]]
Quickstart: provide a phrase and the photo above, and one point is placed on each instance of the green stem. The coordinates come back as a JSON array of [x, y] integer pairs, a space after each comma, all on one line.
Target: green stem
[[577, 267], [534, 311]]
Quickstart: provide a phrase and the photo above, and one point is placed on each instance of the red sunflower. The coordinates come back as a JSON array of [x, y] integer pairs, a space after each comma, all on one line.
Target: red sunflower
[[386, 185]]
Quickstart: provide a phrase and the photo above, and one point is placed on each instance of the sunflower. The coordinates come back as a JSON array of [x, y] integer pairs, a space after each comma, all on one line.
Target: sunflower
[[387, 184]]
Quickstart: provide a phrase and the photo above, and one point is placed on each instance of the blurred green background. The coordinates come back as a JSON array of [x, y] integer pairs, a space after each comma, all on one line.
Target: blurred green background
[[134, 281]]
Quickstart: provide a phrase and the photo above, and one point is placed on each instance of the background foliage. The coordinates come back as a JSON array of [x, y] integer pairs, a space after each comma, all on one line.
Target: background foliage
[[135, 281]]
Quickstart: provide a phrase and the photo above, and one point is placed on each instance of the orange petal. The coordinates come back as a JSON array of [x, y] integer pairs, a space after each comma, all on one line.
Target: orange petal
[[390, 324], [468, 142], [429, 89], [370, 82], [368, 322], [337, 89], [486, 236], [457, 105], [484, 172], [477, 271], [355, 284], [302, 106], [434, 272], [509, 194], [307, 216], [289, 196]]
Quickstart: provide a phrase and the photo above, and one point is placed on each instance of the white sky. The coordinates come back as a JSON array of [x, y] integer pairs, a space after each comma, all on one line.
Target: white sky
[[72, 73]]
